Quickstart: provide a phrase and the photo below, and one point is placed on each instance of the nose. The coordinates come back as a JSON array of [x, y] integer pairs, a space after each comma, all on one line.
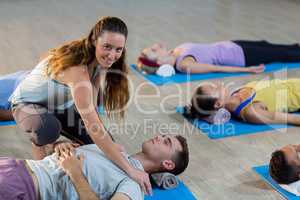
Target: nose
[[112, 55], [158, 138]]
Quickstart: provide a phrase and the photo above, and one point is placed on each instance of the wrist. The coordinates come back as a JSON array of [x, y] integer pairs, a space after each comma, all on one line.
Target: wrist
[[130, 171], [75, 175]]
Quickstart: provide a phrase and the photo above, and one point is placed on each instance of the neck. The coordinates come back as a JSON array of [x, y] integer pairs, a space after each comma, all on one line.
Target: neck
[[93, 64], [148, 165], [232, 102]]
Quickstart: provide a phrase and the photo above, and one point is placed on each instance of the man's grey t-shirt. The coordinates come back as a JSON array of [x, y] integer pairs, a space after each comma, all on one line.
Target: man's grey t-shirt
[[104, 177]]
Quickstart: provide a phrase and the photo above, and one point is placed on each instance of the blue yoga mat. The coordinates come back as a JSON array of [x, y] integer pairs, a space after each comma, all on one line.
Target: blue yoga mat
[[7, 123], [183, 77], [263, 171], [231, 128], [181, 192], [8, 84]]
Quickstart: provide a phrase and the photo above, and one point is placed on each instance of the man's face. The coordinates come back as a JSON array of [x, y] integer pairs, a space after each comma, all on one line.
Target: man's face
[[292, 154], [161, 147]]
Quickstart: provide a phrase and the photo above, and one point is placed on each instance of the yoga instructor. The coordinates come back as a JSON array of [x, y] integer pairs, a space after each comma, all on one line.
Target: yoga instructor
[[62, 91]]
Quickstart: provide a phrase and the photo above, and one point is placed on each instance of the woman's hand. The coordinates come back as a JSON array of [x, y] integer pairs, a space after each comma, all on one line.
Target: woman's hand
[[257, 69], [142, 178], [71, 164]]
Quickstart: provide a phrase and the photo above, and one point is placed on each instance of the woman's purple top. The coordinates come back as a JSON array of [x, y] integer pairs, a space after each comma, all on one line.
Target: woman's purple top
[[219, 53]]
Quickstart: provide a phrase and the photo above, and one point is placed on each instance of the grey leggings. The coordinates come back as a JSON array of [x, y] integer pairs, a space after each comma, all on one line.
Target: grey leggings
[[45, 127]]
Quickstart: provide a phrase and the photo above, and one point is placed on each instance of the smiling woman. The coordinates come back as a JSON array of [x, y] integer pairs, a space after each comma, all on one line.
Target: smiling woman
[[44, 103]]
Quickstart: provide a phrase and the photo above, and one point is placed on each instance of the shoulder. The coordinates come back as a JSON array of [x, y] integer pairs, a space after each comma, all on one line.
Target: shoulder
[[73, 74], [187, 60]]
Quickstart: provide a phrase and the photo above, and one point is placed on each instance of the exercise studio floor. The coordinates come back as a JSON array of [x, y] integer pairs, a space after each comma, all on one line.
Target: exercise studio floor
[[218, 169]]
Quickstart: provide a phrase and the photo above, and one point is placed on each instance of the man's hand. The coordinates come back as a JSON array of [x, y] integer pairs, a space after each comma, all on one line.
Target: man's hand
[[71, 164], [65, 147]]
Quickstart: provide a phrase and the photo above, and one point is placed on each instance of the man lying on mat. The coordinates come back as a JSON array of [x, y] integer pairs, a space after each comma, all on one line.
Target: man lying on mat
[[86, 173], [226, 56], [259, 102], [285, 164]]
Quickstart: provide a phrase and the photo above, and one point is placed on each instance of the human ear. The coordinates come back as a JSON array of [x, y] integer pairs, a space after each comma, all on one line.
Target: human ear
[[218, 104], [168, 165]]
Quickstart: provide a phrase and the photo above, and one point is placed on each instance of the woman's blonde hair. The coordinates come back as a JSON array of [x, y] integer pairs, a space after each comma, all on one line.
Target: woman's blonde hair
[[82, 52]]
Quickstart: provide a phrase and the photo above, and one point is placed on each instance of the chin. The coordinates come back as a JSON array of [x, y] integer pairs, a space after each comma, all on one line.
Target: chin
[[146, 146], [105, 66]]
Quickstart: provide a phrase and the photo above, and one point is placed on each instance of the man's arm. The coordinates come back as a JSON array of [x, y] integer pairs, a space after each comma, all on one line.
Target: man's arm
[[72, 165], [258, 115], [120, 196]]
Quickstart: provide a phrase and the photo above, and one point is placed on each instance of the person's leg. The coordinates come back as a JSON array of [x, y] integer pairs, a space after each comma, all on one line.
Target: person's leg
[[15, 180], [266, 44], [6, 115], [43, 127], [73, 126], [263, 52]]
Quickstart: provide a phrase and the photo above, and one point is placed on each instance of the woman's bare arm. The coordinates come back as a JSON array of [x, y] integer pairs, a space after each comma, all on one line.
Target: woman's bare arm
[[189, 65], [258, 115], [77, 78]]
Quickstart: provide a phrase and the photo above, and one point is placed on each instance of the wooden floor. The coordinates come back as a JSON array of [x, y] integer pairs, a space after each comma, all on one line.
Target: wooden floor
[[219, 169]]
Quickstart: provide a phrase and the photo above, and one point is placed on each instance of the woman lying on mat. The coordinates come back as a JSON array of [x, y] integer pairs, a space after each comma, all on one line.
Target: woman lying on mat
[[8, 84], [226, 56], [260, 102]]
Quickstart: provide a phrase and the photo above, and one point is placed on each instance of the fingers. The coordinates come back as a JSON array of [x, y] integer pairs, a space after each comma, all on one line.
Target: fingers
[[65, 147], [145, 184], [144, 188], [75, 145], [148, 186]]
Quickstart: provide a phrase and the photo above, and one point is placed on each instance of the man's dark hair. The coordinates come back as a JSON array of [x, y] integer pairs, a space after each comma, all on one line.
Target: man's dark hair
[[180, 158], [282, 171]]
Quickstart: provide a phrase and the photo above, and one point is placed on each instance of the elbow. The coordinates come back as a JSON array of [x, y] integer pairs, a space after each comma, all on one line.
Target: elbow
[[183, 68]]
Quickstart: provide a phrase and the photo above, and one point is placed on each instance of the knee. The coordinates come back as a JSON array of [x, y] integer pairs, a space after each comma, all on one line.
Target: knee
[[46, 131], [43, 128]]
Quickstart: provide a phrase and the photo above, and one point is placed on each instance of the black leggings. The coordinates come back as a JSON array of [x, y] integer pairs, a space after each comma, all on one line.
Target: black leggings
[[263, 52], [45, 127]]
